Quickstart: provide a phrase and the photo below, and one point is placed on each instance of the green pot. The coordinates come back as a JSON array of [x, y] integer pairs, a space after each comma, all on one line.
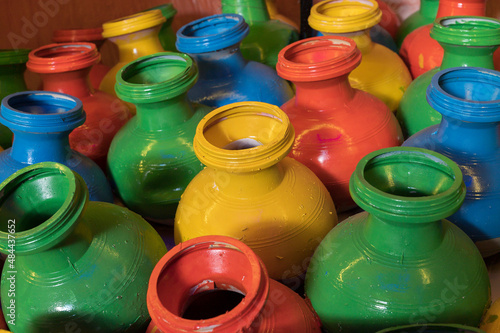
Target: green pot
[[71, 263], [425, 15], [399, 262], [432, 328], [151, 159], [12, 68], [468, 41], [167, 34]]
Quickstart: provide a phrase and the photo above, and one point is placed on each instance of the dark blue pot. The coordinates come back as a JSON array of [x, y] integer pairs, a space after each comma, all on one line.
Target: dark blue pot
[[224, 75], [469, 100], [41, 122]]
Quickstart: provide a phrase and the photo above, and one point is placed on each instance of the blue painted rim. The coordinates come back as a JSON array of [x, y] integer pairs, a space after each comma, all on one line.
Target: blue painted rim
[[71, 117], [219, 32], [461, 108]]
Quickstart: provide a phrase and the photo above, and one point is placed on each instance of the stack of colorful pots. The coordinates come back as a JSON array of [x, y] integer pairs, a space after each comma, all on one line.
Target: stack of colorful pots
[[223, 175]]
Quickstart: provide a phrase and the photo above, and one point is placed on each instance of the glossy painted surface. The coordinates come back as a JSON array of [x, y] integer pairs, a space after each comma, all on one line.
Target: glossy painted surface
[[266, 37], [99, 70], [400, 261], [434, 328], [467, 98], [467, 42], [419, 51], [12, 67], [135, 36], [225, 76], [335, 124], [78, 263], [425, 15], [167, 34], [491, 320], [390, 21], [381, 72], [41, 122], [65, 68], [223, 263], [276, 15], [151, 159], [251, 191]]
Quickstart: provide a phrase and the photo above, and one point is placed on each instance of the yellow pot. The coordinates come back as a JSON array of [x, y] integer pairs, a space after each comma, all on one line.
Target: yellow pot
[[251, 191], [135, 36], [491, 320], [381, 72]]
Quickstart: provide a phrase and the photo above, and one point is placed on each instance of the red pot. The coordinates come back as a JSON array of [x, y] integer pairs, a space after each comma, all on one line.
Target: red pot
[[204, 274], [85, 35], [65, 68], [335, 124], [421, 53], [390, 20]]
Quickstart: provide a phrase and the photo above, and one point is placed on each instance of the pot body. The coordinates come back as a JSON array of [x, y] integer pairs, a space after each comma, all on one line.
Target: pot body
[[435, 328], [224, 75], [42, 122], [491, 322], [467, 134], [390, 21], [425, 15], [367, 273], [92, 276], [12, 67], [251, 191], [468, 42], [166, 34]]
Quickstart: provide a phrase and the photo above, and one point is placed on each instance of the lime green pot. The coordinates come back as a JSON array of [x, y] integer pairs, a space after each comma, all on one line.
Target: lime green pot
[[468, 41], [71, 264], [399, 262], [151, 159], [266, 37], [12, 68]]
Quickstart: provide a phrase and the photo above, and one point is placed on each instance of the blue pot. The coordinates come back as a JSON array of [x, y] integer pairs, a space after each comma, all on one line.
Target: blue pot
[[468, 98], [41, 122], [224, 75]]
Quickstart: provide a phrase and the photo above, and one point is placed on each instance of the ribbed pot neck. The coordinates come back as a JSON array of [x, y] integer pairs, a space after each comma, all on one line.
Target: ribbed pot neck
[[23, 196], [156, 77], [211, 33], [41, 112], [469, 94], [65, 57], [201, 264], [461, 7], [244, 137], [13, 57], [318, 58], [132, 23], [77, 35], [407, 184], [467, 30], [167, 10], [341, 16]]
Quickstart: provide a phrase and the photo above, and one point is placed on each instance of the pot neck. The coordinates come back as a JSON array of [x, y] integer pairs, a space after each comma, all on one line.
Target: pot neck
[[466, 56], [138, 44], [429, 8], [30, 148], [222, 64], [251, 10], [324, 95], [461, 7], [164, 115], [75, 83]]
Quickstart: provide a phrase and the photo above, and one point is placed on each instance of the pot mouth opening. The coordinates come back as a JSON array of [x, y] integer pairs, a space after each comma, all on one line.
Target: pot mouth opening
[[467, 30], [64, 57], [133, 23]]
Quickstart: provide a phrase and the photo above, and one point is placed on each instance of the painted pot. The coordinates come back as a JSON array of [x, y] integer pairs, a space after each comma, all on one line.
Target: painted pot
[[98, 70], [422, 53], [77, 263], [467, 98], [191, 291], [274, 14], [224, 75], [41, 122], [135, 36], [12, 67], [167, 34], [381, 72], [336, 125], [266, 37], [491, 320], [390, 21], [425, 15], [468, 41], [432, 328], [155, 148], [399, 262], [65, 68], [251, 191]]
